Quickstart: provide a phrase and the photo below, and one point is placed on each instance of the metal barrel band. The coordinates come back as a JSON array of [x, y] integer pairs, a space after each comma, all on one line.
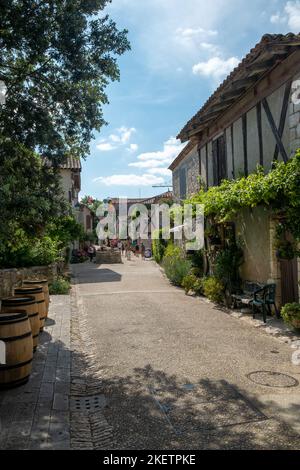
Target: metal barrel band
[[16, 366], [15, 338]]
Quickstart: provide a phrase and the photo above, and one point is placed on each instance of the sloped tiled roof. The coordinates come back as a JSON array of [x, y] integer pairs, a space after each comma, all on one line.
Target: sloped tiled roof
[[271, 50], [72, 163]]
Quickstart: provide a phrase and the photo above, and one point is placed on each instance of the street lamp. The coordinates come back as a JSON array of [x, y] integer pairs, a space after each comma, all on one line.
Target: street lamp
[[3, 90]]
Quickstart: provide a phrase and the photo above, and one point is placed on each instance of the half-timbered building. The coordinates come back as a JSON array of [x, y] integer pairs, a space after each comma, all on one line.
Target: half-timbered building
[[252, 119]]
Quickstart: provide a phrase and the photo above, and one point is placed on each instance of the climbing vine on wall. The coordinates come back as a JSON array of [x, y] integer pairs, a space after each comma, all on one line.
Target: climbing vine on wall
[[279, 190]]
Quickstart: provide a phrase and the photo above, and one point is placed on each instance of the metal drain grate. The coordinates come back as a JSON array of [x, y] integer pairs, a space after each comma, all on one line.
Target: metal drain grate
[[88, 404], [272, 379]]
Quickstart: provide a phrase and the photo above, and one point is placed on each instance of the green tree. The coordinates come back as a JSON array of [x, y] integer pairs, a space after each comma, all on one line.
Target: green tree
[[30, 192], [57, 57]]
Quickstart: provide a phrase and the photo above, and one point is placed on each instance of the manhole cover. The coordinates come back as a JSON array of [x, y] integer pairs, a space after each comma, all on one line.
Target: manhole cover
[[88, 404], [273, 379]]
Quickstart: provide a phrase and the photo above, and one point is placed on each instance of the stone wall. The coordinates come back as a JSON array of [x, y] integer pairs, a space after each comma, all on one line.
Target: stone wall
[[11, 278], [191, 164], [256, 229]]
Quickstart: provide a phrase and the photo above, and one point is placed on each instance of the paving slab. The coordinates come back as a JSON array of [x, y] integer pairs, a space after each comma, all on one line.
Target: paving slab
[[28, 414]]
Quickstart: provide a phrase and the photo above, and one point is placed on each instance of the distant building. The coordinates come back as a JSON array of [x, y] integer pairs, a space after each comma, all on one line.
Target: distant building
[[86, 219], [70, 173]]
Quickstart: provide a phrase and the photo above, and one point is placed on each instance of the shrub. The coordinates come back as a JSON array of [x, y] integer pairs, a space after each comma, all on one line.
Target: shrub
[[26, 252], [193, 283], [291, 314], [159, 247], [174, 251], [44, 252], [60, 286], [227, 264], [213, 289], [197, 259], [176, 266], [199, 286], [176, 269], [189, 282]]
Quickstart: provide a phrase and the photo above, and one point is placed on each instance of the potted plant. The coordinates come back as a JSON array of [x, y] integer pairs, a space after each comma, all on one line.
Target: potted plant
[[291, 314]]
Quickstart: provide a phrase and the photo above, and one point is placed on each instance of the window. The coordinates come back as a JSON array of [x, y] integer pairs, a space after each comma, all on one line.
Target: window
[[182, 183], [219, 160]]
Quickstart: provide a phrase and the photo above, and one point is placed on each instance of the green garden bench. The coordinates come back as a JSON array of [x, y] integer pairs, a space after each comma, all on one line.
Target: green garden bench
[[245, 295]]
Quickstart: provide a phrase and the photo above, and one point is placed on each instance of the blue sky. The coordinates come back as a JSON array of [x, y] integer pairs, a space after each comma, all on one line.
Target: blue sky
[[181, 51]]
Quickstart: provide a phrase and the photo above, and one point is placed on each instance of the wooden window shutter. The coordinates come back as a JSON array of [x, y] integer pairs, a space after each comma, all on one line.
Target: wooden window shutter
[[215, 163], [222, 159]]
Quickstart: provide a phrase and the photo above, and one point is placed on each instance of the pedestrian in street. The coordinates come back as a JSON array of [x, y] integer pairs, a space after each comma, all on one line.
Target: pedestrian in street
[[128, 249], [91, 252], [143, 249]]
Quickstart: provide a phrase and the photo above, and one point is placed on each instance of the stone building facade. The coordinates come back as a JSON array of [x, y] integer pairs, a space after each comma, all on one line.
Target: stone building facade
[[186, 174]]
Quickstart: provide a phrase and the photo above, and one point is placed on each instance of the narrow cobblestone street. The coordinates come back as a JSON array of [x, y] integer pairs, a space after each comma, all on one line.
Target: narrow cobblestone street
[[130, 362]]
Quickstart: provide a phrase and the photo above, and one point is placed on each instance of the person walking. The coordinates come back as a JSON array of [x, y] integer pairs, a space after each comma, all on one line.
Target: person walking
[[128, 249], [91, 252], [143, 249]]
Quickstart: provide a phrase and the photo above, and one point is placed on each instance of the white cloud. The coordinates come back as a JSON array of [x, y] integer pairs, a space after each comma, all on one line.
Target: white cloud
[[189, 33], [133, 148], [216, 67], [292, 9], [130, 180], [289, 16], [105, 146], [154, 164], [160, 171], [278, 19], [121, 137], [207, 46], [170, 150], [168, 32], [149, 164]]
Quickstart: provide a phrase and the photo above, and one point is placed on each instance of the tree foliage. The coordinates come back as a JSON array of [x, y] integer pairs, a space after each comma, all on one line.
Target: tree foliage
[[91, 203], [30, 193], [57, 57]]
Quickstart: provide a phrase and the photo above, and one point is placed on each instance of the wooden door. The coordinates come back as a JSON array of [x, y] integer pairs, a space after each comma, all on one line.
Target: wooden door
[[289, 281]]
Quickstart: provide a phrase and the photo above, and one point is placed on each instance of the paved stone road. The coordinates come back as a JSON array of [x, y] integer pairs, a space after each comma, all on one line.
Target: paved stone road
[[128, 361], [172, 371]]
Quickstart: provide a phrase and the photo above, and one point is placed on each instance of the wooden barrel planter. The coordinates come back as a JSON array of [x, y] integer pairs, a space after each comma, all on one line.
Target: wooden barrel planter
[[44, 284], [15, 332], [39, 296], [29, 306]]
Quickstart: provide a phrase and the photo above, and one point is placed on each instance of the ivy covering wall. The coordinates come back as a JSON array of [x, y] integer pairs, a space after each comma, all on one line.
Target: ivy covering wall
[[279, 190]]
